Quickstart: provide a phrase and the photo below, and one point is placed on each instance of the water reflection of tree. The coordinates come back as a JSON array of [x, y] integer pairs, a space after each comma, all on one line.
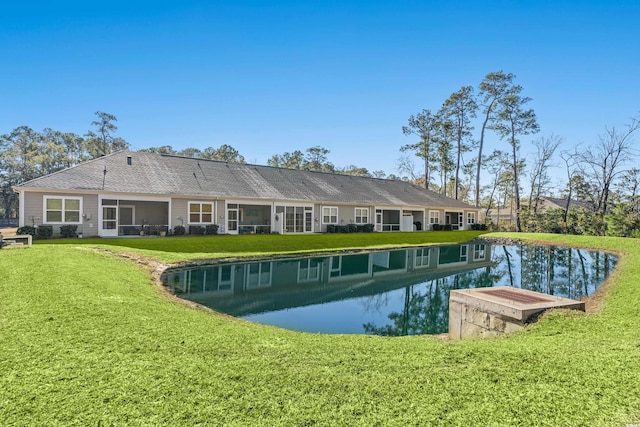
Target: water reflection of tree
[[573, 273], [426, 307], [568, 272]]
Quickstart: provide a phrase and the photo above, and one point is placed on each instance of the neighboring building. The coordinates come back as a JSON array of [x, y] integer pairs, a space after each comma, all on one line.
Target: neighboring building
[[498, 216], [547, 203], [128, 192]]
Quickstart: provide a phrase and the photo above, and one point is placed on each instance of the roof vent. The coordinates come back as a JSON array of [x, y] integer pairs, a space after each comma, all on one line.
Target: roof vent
[[129, 160]]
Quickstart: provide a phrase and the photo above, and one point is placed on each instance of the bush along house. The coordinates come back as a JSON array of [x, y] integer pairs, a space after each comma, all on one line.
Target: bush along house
[[133, 193]]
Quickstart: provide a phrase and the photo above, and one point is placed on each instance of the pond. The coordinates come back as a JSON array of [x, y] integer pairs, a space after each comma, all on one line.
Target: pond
[[396, 292]]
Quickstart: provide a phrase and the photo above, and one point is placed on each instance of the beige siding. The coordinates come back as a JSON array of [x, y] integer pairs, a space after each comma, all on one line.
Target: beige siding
[[33, 208], [34, 211], [219, 210], [90, 208], [179, 209], [317, 218], [345, 215]]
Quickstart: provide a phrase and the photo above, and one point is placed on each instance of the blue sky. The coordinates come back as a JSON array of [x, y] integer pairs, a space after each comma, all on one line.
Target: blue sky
[[273, 76]]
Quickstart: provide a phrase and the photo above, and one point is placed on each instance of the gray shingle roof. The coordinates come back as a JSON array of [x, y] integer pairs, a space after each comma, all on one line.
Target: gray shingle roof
[[157, 174], [562, 203]]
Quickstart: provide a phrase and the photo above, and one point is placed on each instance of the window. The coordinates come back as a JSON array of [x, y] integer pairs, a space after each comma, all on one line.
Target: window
[[362, 215], [309, 269], [479, 252], [471, 217], [62, 210], [200, 213], [422, 257], [463, 253], [258, 275], [434, 217], [330, 215]]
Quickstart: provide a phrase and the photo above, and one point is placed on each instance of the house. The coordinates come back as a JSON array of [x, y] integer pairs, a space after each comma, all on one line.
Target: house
[[547, 203], [128, 192], [503, 216]]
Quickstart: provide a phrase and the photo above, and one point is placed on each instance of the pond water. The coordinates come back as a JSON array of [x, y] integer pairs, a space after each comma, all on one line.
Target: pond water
[[396, 292]]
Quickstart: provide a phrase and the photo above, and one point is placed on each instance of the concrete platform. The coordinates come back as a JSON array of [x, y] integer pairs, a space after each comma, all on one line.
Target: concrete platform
[[486, 312], [17, 241]]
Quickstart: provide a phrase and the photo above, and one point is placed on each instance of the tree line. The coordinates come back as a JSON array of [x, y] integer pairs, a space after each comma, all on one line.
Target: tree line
[[26, 154], [446, 135], [598, 173]]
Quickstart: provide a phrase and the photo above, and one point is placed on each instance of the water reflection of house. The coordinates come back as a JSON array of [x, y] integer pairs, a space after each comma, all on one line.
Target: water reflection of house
[[245, 288]]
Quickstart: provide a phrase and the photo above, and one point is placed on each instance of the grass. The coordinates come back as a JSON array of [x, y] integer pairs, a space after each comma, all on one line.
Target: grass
[[86, 338], [184, 248]]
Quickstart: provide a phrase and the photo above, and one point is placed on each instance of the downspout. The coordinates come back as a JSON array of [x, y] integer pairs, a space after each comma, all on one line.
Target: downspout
[[215, 212], [170, 214]]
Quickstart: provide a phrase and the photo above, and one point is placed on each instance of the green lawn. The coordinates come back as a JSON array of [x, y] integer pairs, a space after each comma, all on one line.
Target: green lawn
[[183, 248], [86, 338]]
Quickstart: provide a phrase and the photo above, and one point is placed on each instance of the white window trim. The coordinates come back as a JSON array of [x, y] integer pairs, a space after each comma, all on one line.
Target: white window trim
[[323, 215], [481, 248], [426, 254], [193, 202], [259, 275], [430, 217], [464, 253], [63, 198], [304, 266], [471, 217], [355, 215]]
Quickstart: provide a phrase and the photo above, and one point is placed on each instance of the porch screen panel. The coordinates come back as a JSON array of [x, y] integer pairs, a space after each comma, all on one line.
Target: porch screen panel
[[299, 227], [233, 219], [289, 222], [109, 215], [308, 219]]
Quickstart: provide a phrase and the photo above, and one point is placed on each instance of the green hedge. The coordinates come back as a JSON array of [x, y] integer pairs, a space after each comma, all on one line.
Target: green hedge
[[27, 229], [44, 232], [68, 231], [350, 228]]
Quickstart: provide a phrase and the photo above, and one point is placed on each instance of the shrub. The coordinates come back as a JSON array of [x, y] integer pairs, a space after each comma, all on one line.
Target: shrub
[[179, 230], [196, 229], [211, 229], [44, 232], [436, 227], [68, 231], [479, 227], [350, 228], [27, 229], [368, 228]]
